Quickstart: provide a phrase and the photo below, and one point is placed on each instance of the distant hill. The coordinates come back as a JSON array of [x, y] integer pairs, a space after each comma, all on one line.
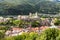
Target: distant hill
[[16, 7]]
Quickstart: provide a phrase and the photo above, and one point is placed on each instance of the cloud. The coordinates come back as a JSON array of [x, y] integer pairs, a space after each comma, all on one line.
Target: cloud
[[58, 0]]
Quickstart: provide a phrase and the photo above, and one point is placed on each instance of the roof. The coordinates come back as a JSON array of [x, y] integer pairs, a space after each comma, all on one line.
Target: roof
[[43, 27], [17, 28]]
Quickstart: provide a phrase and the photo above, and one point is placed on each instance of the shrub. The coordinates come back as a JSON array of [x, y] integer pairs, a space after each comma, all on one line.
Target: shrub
[[33, 35], [9, 38], [23, 36], [57, 22], [50, 34], [1, 34]]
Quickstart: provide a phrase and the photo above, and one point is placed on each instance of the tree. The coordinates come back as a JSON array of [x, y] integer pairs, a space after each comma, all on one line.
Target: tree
[[2, 34], [19, 23], [33, 35], [35, 24], [9, 38], [50, 34], [21, 37], [4, 28], [57, 22]]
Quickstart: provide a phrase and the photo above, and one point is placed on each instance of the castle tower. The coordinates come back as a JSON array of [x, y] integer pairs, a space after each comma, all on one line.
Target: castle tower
[[36, 14], [19, 17], [30, 14]]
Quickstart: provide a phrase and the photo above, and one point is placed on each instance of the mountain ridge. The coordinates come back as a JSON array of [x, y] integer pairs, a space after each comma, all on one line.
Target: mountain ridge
[[27, 6]]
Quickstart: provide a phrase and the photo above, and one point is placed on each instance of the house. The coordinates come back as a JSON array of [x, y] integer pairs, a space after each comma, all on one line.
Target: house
[[43, 28], [22, 17], [13, 31], [18, 31], [30, 16], [1, 19]]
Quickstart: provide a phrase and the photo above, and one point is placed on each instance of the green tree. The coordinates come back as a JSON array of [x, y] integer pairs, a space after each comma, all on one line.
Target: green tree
[[58, 38], [2, 34], [9, 38], [49, 34], [33, 35], [35, 23], [57, 22], [18, 23]]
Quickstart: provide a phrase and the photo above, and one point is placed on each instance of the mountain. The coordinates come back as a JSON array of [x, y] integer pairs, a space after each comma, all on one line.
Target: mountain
[[16, 7]]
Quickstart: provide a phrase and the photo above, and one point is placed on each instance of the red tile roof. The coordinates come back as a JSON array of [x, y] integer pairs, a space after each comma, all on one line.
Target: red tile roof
[[17, 28], [43, 27]]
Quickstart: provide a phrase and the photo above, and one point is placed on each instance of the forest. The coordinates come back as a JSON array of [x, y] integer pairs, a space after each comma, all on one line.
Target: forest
[[24, 7]]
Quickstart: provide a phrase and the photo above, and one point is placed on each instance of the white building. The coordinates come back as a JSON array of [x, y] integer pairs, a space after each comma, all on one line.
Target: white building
[[1, 19], [22, 17], [19, 17], [33, 15]]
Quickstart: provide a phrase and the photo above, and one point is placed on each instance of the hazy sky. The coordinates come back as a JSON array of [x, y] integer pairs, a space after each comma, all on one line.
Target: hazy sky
[[1, 0], [18, 0], [22, 0], [50, 0]]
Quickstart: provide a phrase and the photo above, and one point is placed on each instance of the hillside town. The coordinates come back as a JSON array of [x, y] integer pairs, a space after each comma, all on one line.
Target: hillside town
[[31, 16], [27, 26]]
